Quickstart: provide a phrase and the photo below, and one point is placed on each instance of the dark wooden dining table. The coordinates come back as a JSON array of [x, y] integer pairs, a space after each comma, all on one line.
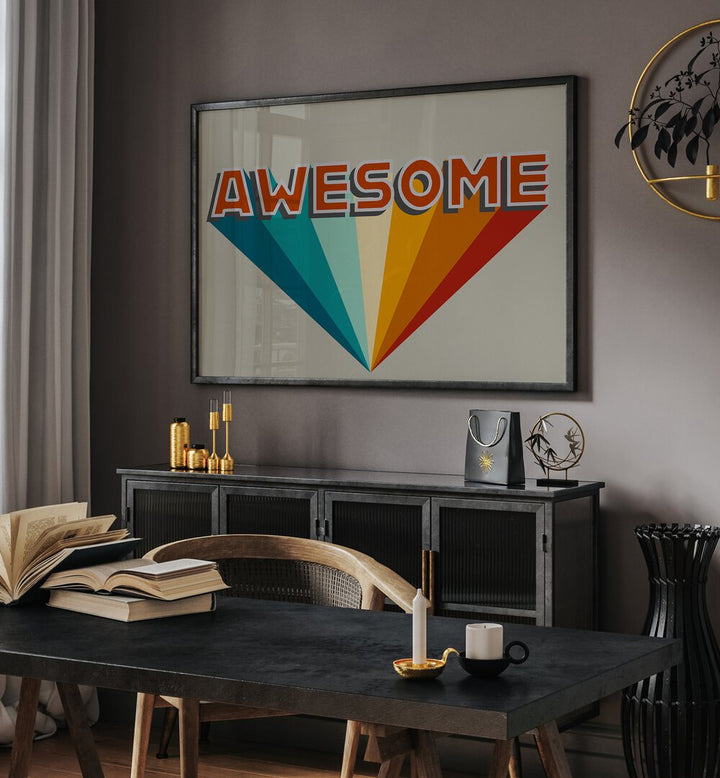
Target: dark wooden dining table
[[330, 662]]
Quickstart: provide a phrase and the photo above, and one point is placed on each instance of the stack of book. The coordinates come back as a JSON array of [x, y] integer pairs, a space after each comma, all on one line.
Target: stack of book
[[36, 541], [137, 589], [82, 562]]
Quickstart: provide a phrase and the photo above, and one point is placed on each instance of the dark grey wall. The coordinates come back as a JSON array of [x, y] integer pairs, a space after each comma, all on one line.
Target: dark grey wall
[[649, 275]]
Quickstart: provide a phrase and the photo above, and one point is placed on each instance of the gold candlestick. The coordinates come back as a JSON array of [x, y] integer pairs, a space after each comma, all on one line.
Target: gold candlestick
[[227, 463], [214, 459]]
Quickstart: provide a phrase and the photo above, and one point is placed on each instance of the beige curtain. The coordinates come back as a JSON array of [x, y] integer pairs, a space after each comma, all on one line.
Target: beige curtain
[[45, 450], [45, 282]]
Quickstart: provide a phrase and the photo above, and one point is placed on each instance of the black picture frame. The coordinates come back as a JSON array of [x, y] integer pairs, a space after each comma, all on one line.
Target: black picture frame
[[558, 123]]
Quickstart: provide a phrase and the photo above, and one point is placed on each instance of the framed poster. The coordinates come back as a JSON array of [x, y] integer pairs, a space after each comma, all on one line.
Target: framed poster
[[416, 237]]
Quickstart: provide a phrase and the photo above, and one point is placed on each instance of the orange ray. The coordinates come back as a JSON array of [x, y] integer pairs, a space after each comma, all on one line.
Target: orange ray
[[407, 233], [446, 239]]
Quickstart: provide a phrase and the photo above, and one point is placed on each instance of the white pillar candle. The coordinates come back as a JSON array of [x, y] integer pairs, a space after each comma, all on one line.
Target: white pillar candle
[[419, 644], [484, 641]]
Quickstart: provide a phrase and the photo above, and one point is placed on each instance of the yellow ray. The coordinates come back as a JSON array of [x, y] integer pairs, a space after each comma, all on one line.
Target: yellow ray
[[372, 238], [407, 232]]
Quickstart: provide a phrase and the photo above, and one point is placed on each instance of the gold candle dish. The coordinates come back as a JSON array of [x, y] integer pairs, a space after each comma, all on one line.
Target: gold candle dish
[[431, 668]]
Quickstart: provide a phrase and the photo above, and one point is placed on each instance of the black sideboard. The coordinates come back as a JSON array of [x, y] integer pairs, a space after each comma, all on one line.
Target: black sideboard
[[514, 554]]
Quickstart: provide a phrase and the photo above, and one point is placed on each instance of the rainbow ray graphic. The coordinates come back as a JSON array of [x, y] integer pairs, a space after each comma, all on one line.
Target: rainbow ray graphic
[[371, 281]]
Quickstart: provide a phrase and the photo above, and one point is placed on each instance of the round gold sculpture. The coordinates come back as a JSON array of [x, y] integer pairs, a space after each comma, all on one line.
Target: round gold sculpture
[[711, 177], [546, 450]]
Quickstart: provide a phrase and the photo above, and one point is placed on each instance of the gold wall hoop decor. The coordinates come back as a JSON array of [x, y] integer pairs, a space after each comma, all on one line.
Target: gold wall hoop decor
[[711, 177]]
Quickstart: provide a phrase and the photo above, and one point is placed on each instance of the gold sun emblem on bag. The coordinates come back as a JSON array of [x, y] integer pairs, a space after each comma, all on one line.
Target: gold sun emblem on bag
[[486, 461]]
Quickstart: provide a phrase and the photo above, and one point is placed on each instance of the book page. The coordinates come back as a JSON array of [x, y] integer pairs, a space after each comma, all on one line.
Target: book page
[[5, 552], [73, 558], [168, 587], [68, 534], [36, 573], [28, 527], [174, 568], [93, 577]]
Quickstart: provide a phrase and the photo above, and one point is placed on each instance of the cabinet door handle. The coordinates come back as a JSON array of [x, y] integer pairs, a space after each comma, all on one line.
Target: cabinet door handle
[[431, 580], [424, 571], [428, 576]]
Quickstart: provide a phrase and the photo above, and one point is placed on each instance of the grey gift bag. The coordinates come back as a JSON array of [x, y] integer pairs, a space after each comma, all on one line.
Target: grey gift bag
[[494, 450]]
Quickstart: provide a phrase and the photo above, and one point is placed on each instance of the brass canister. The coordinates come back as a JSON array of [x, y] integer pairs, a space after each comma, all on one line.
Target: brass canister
[[179, 443], [197, 458]]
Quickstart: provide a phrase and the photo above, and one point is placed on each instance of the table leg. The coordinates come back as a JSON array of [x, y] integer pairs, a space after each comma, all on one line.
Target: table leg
[[515, 768], [82, 738], [500, 761], [391, 768], [24, 728], [427, 761], [189, 738], [552, 752]]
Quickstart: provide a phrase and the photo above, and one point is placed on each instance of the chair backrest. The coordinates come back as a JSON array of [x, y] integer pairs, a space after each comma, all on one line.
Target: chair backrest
[[277, 567]]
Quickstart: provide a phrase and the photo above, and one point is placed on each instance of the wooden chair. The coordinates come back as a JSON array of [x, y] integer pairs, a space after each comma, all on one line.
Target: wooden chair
[[273, 567]]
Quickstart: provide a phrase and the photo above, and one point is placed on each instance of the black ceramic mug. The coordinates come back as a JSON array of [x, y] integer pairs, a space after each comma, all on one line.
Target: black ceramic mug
[[489, 668]]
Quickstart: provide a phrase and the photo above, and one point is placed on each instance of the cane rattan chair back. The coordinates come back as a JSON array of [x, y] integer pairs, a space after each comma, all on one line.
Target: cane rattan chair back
[[271, 567]]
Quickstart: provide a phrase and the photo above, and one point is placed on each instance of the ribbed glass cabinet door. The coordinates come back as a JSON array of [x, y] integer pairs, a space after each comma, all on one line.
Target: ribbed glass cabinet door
[[269, 511], [392, 529], [163, 512], [488, 560]]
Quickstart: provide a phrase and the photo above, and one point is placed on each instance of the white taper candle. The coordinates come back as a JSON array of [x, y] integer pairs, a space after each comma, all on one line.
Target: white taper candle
[[419, 645]]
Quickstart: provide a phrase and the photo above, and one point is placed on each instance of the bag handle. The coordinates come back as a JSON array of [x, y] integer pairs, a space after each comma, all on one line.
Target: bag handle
[[498, 435]]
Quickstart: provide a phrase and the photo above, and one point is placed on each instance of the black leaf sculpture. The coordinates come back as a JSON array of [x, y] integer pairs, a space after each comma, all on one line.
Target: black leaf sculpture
[[682, 114]]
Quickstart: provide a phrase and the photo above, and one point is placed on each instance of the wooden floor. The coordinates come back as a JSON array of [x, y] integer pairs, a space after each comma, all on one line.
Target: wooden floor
[[54, 758]]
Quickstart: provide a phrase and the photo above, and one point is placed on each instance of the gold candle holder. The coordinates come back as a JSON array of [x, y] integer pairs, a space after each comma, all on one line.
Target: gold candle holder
[[227, 463], [711, 185], [214, 459], [406, 669]]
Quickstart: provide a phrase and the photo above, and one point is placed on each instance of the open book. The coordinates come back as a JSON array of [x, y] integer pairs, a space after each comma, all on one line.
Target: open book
[[142, 577], [37, 540], [114, 606]]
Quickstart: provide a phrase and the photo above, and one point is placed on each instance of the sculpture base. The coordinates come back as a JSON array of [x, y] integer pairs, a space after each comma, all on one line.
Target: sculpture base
[[556, 482]]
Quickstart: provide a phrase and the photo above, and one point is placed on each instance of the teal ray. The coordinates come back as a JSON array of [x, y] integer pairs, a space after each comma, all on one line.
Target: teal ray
[[338, 238], [252, 238], [298, 238]]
